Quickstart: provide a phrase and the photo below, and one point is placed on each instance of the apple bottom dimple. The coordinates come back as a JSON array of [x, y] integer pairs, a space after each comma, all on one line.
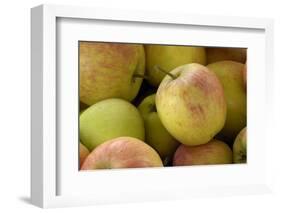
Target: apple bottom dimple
[[122, 152]]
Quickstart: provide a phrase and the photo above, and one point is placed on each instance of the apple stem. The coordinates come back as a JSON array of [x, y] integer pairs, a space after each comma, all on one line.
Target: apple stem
[[140, 76], [164, 71]]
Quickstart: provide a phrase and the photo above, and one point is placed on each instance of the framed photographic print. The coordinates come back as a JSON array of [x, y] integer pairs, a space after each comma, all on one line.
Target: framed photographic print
[[129, 106]]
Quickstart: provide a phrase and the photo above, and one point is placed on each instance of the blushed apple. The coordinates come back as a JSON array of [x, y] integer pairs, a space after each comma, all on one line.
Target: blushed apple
[[230, 74], [191, 105], [108, 119], [122, 152], [155, 133], [240, 147], [213, 152], [110, 70], [169, 57], [215, 54], [83, 153]]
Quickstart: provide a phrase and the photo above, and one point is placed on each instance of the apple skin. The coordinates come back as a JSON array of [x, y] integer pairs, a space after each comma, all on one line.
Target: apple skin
[[191, 107], [213, 152], [108, 119], [155, 133], [245, 75], [83, 153], [107, 71], [122, 152], [240, 147], [230, 74], [168, 58], [215, 54]]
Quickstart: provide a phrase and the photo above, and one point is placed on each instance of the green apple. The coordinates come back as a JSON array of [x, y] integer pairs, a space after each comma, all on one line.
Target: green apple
[[109, 119], [213, 152], [110, 70], [83, 153], [169, 57], [155, 133], [240, 147], [191, 105], [122, 152], [215, 54], [230, 74]]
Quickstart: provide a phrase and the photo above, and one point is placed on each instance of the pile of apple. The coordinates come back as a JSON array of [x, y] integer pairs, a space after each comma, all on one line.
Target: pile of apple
[[161, 105]]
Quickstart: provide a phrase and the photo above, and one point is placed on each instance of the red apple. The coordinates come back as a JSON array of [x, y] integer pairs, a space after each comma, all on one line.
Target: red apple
[[122, 152], [213, 152]]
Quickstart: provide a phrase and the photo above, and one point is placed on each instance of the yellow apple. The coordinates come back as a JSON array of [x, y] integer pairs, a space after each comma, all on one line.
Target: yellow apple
[[230, 74], [191, 105], [168, 57], [110, 70], [215, 54]]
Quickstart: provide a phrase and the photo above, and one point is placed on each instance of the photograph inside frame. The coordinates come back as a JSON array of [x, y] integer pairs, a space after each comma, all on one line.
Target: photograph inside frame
[[151, 105]]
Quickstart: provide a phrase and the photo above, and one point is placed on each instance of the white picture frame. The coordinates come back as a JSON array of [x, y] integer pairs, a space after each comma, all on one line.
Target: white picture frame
[[56, 183]]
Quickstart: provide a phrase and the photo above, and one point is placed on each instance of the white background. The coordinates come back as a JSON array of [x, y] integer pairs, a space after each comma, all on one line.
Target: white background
[[74, 183], [15, 104]]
